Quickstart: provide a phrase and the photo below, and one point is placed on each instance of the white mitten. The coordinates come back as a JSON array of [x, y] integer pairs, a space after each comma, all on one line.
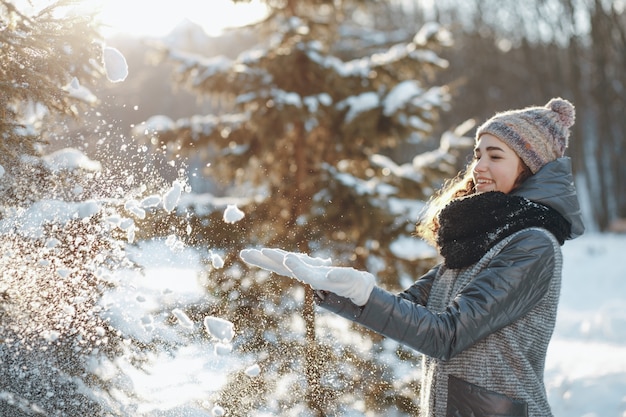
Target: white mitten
[[256, 257], [272, 260], [314, 275], [346, 282], [351, 283]]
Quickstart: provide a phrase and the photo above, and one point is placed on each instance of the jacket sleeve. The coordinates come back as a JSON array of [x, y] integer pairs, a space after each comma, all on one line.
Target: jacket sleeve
[[417, 293], [511, 285]]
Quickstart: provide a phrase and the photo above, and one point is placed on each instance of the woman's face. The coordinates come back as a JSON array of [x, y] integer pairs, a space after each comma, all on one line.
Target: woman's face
[[496, 166]]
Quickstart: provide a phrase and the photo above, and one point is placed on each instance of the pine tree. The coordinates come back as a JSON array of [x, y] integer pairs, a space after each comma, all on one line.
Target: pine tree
[[316, 108], [41, 54], [49, 292]]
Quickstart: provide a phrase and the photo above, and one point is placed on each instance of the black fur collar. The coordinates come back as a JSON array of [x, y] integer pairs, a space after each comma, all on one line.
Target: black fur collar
[[470, 226]]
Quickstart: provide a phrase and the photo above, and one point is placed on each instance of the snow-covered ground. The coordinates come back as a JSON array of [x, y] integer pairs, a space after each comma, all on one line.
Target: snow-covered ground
[[586, 365]]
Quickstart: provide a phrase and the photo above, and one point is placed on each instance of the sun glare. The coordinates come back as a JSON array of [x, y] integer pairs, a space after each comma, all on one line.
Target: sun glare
[[151, 18]]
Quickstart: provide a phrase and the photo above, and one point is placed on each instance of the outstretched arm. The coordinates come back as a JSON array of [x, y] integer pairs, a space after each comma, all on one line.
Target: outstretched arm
[[510, 286]]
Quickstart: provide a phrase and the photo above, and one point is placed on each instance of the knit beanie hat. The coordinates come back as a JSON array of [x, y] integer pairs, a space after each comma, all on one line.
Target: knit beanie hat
[[538, 135]]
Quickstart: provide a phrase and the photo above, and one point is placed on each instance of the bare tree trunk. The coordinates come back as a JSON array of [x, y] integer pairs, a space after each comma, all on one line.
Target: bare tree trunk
[[603, 96], [618, 26]]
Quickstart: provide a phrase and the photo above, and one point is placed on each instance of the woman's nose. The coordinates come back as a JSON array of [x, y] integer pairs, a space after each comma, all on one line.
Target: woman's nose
[[479, 167]]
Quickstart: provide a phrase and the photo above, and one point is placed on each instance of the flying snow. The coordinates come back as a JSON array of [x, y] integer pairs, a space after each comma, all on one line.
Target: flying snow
[[151, 201], [171, 197], [233, 214], [183, 319], [133, 206], [219, 328], [114, 64], [216, 260], [253, 370], [218, 411]]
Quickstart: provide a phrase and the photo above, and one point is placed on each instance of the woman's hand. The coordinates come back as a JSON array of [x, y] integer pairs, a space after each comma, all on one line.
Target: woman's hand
[[317, 272], [273, 260]]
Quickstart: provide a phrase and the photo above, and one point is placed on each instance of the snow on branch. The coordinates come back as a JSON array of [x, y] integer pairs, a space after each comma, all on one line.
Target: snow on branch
[[403, 171], [358, 104], [373, 186], [362, 67], [197, 125], [402, 103]]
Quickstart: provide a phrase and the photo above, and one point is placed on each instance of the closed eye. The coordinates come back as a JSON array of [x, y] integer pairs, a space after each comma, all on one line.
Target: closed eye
[[492, 156]]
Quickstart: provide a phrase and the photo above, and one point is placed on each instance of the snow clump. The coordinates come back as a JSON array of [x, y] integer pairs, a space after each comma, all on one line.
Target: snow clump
[[219, 328], [114, 64], [233, 214]]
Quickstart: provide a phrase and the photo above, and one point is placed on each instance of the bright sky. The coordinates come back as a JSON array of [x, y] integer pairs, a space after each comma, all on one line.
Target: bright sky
[[160, 17], [156, 18]]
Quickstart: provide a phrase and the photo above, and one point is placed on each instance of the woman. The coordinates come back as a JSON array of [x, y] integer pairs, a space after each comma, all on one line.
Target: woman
[[483, 318]]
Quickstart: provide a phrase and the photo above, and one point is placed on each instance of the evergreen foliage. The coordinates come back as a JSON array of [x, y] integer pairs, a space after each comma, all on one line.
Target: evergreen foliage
[[40, 54]]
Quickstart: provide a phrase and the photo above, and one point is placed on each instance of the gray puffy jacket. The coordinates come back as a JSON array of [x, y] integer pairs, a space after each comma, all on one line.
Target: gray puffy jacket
[[483, 329]]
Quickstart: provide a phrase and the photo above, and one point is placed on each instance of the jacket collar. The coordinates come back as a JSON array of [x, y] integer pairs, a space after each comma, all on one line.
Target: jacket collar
[[553, 186]]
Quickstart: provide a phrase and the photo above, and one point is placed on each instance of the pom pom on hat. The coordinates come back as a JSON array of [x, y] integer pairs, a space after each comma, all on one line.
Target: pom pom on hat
[[537, 134]]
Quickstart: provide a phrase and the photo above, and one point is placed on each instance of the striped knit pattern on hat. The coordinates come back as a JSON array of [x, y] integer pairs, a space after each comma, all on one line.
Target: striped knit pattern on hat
[[538, 135]]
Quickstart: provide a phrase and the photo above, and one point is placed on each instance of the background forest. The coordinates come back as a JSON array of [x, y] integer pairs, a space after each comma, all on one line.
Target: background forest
[[504, 54], [323, 128]]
